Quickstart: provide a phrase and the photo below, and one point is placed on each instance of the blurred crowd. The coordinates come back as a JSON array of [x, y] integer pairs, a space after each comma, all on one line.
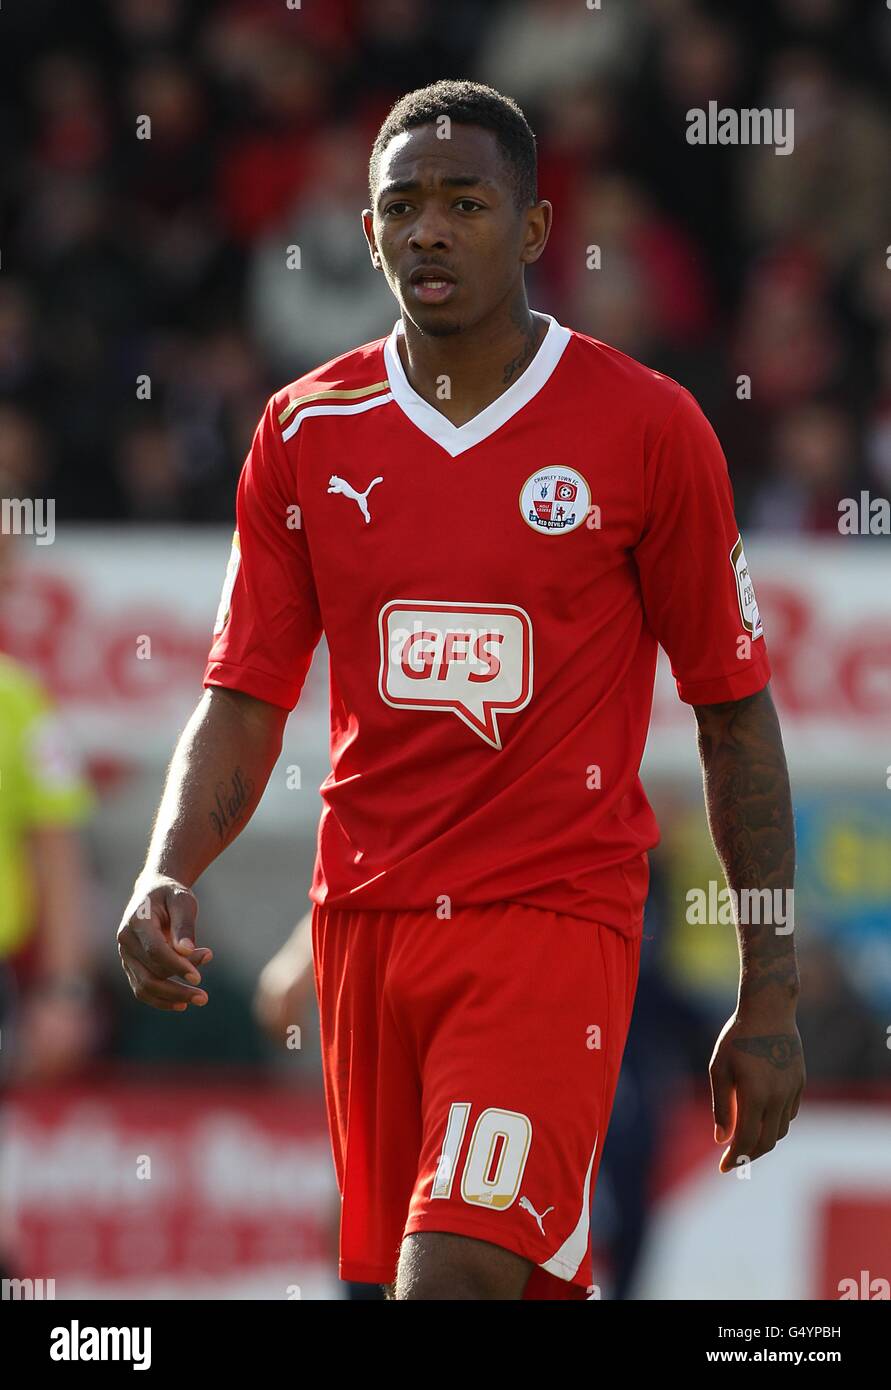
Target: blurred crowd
[[147, 306]]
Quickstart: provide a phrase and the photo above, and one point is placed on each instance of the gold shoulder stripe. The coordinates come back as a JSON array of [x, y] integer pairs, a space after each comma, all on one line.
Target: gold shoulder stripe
[[331, 396]]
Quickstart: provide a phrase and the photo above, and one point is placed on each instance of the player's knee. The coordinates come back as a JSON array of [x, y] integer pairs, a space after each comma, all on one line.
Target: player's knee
[[438, 1265]]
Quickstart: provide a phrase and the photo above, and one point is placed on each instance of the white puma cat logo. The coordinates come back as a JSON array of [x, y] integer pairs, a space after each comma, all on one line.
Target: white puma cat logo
[[336, 484], [527, 1206]]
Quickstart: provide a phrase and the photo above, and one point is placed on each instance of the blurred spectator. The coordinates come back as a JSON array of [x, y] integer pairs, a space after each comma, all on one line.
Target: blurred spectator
[[691, 59], [535, 47], [150, 473], [812, 454], [649, 296], [787, 342], [44, 942], [20, 370], [302, 316], [403, 44], [833, 192], [23, 461], [145, 24], [71, 120]]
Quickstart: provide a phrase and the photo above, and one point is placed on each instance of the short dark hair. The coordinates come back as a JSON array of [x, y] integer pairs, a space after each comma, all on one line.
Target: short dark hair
[[465, 103]]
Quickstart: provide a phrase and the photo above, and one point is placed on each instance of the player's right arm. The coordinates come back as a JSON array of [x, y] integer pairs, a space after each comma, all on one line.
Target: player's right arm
[[267, 628], [216, 778]]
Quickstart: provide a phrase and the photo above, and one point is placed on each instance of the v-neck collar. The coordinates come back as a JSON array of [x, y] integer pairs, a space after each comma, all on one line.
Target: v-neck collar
[[455, 439]]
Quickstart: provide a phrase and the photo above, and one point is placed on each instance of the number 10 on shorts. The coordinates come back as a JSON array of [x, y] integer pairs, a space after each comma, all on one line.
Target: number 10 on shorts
[[496, 1156]]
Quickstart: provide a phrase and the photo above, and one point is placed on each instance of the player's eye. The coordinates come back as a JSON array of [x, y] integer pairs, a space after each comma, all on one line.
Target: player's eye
[[468, 205], [395, 209]]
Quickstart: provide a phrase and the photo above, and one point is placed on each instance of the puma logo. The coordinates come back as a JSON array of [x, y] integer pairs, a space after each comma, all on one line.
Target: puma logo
[[336, 484], [527, 1206]]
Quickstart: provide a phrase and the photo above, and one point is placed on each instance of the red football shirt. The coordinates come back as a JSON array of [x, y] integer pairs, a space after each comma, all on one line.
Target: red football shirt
[[492, 595]]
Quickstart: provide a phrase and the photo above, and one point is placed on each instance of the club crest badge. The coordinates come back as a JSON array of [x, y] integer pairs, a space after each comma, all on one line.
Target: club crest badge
[[555, 500]]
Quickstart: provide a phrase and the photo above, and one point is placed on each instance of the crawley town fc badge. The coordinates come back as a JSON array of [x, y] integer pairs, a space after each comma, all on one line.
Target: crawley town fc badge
[[555, 501]]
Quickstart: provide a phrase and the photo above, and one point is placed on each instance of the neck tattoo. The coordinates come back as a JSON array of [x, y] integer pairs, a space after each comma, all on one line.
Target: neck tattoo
[[516, 364]]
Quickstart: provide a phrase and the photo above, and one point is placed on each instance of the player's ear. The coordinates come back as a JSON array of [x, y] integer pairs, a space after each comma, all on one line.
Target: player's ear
[[368, 229], [539, 218]]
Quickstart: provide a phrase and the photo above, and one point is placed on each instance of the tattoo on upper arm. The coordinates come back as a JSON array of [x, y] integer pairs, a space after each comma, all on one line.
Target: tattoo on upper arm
[[230, 803]]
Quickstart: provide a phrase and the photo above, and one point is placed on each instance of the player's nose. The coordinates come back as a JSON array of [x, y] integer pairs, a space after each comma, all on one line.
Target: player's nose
[[430, 231]]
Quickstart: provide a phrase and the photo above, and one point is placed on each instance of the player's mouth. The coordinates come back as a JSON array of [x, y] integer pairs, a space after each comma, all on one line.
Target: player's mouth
[[431, 285]]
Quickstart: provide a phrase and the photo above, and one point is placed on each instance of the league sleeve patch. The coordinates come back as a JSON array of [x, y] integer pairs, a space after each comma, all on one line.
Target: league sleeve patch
[[228, 585], [748, 606]]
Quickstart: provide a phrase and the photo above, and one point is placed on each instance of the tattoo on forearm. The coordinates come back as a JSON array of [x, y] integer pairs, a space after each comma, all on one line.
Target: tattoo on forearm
[[779, 1049], [749, 809], [230, 803]]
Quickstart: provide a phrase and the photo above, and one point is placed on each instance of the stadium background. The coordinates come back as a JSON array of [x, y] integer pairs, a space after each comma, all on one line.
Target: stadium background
[[147, 310]]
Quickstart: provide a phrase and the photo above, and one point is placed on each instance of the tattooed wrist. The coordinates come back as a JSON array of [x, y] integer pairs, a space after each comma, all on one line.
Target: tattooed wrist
[[779, 1049], [771, 977]]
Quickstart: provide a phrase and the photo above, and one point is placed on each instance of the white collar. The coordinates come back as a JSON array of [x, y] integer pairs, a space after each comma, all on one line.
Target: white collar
[[456, 438]]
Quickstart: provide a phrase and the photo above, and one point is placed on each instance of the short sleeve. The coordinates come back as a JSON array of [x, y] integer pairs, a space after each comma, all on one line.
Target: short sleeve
[[268, 621], [698, 595]]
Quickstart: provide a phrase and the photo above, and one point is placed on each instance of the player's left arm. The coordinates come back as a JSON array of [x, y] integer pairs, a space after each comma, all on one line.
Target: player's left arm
[[757, 1068]]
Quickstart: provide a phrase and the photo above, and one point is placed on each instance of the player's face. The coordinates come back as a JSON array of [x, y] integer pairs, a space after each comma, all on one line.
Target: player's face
[[446, 230]]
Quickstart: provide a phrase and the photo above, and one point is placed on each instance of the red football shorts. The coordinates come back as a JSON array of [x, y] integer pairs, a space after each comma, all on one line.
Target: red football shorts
[[470, 1068]]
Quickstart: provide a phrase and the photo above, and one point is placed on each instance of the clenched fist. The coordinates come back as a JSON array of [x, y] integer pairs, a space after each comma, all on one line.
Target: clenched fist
[[156, 943]]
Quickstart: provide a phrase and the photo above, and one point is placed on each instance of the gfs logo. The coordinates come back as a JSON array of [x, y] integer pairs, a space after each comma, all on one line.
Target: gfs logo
[[469, 659]]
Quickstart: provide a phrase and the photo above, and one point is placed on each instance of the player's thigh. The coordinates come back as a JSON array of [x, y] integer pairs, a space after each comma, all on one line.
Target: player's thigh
[[440, 1265], [518, 1081]]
